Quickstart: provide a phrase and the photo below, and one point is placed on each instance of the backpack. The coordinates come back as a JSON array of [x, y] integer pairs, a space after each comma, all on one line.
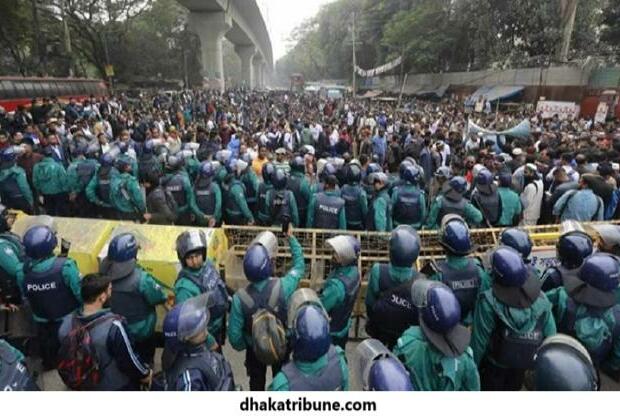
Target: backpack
[[78, 364]]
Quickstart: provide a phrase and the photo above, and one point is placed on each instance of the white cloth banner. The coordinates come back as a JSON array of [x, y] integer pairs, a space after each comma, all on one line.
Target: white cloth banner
[[379, 70], [563, 110]]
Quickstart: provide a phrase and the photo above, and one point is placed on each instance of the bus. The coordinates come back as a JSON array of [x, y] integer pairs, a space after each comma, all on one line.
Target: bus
[[16, 91]]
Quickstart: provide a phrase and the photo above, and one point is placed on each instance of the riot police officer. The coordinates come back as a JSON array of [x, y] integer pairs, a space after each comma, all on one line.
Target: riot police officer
[[571, 249], [563, 364], [409, 201], [223, 157], [148, 162], [354, 196], [251, 183], [327, 208], [329, 169], [300, 187], [236, 211], [81, 171], [588, 310], [15, 191], [49, 178], [388, 298], [486, 198], [520, 241], [52, 286], [453, 202], [379, 369], [317, 365], [188, 363], [126, 194], [177, 183], [280, 201], [264, 291], [99, 189], [379, 216], [199, 276], [262, 208], [511, 320], [135, 293], [341, 288], [463, 275], [368, 185], [426, 349], [12, 256], [208, 194], [14, 374]]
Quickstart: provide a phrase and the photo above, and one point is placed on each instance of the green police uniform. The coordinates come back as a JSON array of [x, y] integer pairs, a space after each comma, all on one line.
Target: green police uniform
[[49, 177], [280, 382], [381, 204], [471, 214], [154, 295], [430, 370], [342, 218], [511, 207], [19, 175], [334, 294], [127, 196], [409, 188], [237, 193], [73, 180], [91, 188], [132, 162], [238, 339], [190, 197], [293, 211], [591, 331], [459, 263]]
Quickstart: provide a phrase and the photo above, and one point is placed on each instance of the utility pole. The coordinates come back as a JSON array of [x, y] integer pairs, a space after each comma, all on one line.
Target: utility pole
[[568, 11], [354, 61], [68, 49]]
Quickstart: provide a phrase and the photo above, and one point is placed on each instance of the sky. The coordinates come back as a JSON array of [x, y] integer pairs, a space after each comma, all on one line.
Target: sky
[[282, 16]]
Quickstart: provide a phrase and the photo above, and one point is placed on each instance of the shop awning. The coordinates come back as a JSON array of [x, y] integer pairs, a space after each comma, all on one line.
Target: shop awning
[[494, 93]]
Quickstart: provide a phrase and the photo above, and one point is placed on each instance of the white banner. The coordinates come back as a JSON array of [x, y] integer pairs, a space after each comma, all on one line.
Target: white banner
[[379, 70], [563, 110], [601, 112]]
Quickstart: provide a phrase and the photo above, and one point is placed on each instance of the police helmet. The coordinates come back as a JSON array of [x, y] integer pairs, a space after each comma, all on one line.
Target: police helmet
[[454, 235], [458, 184], [563, 364], [517, 239], [508, 267], [236, 166], [174, 162], [442, 310], [185, 321], [266, 171], [92, 151], [353, 173], [279, 179], [191, 241], [573, 248], [8, 155], [344, 247], [149, 146], [410, 174], [443, 172], [106, 159], [257, 264], [207, 170], [40, 241], [403, 165], [298, 164], [47, 151], [223, 156], [505, 179], [484, 177], [388, 374], [404, 246], [601, 271], [123, 247], [328, 169], [311, 338], [372, 168]]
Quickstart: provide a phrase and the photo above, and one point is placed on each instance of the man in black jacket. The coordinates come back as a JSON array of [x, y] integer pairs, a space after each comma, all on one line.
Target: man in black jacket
[[160, 205]]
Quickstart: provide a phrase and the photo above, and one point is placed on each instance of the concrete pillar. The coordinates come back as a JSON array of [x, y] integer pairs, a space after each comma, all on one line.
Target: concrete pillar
[[211, 28], [246, 54], [258, 71]]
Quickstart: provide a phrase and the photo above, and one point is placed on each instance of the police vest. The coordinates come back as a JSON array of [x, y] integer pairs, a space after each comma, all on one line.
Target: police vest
[[279, 206], [13, 373], [176, 187], [230, 205], [490, 206], [339, 316], [262, 209], [512, 349], [465, 283], [85, 171], [112, 377], [147, 165], [104, 187], [327, 210], [9, 291], [327, 379], [49, 296], [393, 311], [370, 217], [451, 207], [216, 372], [353, 211], [208, 280], [408, 207], [9, 189], [567, 326], [260, 300], [205, 196], [250, 191], [127, 300], [294, 185]]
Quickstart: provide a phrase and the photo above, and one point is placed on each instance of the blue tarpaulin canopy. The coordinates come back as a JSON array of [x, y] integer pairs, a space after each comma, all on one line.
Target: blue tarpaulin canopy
[[494, 93]]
